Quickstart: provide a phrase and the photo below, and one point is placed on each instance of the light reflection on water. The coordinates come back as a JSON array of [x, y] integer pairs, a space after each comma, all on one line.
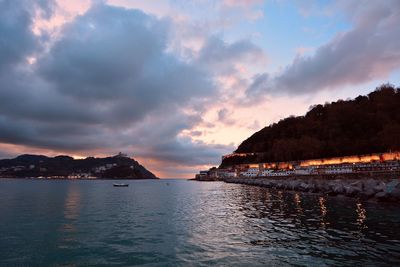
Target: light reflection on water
[[189, 223], [71, 214], [323, 211], [361, 215]]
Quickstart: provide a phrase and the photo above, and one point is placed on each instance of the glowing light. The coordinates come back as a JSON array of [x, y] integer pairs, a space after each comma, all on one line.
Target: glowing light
[[361, 215], [378, 157], [324, 210]]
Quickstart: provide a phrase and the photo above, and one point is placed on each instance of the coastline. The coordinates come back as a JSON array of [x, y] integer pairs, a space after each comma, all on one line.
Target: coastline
[[370, 189], [71, 179], [383, 187]]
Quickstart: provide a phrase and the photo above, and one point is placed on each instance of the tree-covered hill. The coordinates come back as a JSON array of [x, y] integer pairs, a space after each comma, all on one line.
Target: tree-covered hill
[[364, 125]]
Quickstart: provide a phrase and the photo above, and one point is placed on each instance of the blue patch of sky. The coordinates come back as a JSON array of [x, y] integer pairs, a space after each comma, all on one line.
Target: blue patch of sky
[[365, 88], [351, 91], [283, 30]]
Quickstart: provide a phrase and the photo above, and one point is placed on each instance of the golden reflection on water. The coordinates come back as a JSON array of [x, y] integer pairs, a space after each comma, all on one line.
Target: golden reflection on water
[[361, 215], [324, 210], [297, 202], [72, 203], [71, 213]]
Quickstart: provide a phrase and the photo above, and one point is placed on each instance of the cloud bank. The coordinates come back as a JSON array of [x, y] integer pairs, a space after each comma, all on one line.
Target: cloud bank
[[164, 87], [369, 50], [107, 82]]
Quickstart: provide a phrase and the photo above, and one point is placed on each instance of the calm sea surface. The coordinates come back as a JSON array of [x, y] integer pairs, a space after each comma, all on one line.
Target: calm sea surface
[[187, 223]]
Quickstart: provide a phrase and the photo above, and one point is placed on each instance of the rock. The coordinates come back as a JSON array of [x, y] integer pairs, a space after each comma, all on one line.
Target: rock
[[357, 184], [369, 184], [351, 191], [318, 186], [338, 189], [303, 186], [395, 194], [314, 189], [332, 193], [311, 187], [366, 194], [292, 185], [285, 185], [266, 183], [357, 190], [324, 187], [328, 187], [380, 187], [392, 185], [393, 189], [382, 196]]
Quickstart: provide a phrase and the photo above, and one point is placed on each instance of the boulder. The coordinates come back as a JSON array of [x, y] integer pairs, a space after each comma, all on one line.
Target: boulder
[[382, 196], [311, 187], [395, 194], [266, 183], [392, 185], [324, 187], [369, 184], [315, 188], [357, 184], [332, 193], [368, 193], [338, 189], [380, 186], [258, 183], [292, 185], [393, 189], [351, 191], [303, 186]]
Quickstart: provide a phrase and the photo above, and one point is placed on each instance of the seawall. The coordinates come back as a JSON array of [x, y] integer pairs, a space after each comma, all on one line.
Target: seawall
[[382, 186]]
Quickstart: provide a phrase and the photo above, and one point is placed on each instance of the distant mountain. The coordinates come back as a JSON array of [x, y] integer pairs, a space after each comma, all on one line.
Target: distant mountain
[[367, 124], [118, 166]]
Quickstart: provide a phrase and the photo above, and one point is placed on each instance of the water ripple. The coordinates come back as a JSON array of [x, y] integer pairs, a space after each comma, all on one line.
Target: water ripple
[[78, 223]]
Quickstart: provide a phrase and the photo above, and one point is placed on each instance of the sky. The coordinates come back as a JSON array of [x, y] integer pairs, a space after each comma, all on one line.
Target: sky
[[174, 83]]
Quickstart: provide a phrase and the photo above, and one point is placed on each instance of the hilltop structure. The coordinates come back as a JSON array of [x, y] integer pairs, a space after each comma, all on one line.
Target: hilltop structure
[[37, 166]]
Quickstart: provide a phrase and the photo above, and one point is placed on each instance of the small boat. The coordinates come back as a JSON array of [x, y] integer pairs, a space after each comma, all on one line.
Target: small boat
[[120, 185]]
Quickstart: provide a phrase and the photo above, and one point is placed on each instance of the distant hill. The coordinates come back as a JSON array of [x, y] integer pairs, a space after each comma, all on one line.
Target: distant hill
[[364, 125], [63, 166]]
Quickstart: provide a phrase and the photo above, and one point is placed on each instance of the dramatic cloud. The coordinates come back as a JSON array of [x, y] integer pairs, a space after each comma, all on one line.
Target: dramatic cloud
[[224, 116], [107, 82], [224, 57], [17, 40], [174, 83], [370, 50]]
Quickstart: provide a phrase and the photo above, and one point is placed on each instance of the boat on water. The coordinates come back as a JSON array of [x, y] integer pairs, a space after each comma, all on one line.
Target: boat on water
[[120, 185]]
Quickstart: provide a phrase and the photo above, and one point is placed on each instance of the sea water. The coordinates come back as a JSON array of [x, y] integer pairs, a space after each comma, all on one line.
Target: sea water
[[188, 223]]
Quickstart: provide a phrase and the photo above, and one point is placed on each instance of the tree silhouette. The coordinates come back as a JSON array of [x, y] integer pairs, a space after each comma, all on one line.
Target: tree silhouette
[[367, 124]]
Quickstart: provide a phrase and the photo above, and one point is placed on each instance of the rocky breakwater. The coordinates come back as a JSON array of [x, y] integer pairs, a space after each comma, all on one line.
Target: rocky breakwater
[[381, 190]]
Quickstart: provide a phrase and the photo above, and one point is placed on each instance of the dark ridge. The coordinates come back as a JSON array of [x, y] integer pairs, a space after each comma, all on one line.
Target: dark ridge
[[364, 125], [63, 166]]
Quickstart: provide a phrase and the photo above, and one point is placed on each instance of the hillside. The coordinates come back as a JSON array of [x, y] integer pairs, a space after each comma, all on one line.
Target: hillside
[[64, 166], [366, 124]]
